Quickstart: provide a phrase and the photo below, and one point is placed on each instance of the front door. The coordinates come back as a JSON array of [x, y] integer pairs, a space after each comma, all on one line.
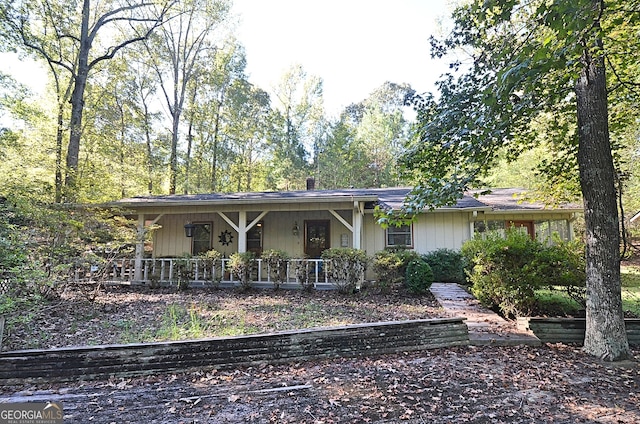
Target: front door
[[525, 226], [316, 238]]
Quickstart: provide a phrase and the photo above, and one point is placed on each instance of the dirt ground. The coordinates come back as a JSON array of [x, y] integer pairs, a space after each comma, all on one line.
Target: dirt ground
[[553, 383], [123, 314], [489, 384]]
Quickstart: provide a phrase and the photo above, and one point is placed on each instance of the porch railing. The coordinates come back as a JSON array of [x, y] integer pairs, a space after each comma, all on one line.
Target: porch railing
[[202, 272]]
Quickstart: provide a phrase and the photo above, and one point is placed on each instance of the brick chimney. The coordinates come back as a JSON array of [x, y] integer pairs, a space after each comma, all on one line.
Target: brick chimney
[[311, 183]]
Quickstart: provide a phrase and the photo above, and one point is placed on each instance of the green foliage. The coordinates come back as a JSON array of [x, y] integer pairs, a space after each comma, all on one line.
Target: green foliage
[[501, 273], [556, 304], [515, 95], [362, 147], [390, 266], [43, 247], [184, 269], [303, 270], [563, 267], [211, 260], [242, 266], [277, 262], [447, 265], [345, 267], [419, 276], [507, 271]]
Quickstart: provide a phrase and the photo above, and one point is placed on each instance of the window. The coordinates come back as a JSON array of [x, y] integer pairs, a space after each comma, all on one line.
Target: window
[[551, 231], [483, 227], [254, 239], [400, 236], [201, 241]]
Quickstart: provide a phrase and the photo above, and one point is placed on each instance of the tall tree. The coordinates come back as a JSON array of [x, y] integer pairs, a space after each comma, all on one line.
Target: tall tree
[[382, 132], [249, 113], [115, 132], [528, 58], [213, 116], [300, 112], [68, 37], [363, 146], [175, 51]]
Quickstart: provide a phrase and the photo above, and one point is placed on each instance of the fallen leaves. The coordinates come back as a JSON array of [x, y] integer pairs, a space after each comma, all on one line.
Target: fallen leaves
[[131, 315]]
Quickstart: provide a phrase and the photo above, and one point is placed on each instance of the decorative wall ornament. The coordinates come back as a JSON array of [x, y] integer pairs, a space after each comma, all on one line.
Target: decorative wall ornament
[[225, 238]]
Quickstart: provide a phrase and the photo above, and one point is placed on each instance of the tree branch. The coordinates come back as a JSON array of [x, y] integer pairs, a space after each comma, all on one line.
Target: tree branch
[[634, 86], [111, 52]]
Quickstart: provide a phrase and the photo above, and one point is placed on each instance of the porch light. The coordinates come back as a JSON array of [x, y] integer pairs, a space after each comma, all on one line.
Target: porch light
[[296, 229], [188, 229]]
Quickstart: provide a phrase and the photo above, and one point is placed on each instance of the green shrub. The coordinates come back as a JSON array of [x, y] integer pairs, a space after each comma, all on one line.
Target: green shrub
[[506, 271], [419, 276], [241, 266], [184, 269], [303, 274], [563, 267], [345, 267], [277, 262], [388, 267], [211, 260], [447, 265]]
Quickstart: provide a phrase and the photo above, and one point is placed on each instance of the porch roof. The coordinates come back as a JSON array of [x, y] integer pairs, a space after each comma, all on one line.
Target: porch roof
[[392, 198], [517, 199]]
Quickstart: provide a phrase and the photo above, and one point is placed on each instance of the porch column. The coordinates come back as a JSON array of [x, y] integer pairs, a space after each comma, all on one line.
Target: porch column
[[357, 225], [242, 231], [137, 271]]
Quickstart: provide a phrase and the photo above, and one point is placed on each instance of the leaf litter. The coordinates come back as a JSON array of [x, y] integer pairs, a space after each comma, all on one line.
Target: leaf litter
[[468, 384]]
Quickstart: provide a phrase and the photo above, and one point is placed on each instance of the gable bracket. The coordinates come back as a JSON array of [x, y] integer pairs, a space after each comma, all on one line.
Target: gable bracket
[[342, 220]]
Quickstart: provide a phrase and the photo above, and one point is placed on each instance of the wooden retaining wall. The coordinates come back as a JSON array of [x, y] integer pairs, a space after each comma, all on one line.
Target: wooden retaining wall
[[570, 330], [98, 362]]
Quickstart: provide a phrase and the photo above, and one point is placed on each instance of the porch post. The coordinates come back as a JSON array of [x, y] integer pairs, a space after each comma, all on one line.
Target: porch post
[[137, 272], [357, 225], [242, 231]]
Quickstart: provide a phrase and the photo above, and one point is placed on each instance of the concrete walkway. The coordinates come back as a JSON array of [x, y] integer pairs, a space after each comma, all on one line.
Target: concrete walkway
[[485, 326]]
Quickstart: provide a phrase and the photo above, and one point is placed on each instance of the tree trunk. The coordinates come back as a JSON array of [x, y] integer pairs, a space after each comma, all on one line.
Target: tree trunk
[[77, 106], [605, 336], [214, 159], [147, 134], [173, 158], [59, 137]]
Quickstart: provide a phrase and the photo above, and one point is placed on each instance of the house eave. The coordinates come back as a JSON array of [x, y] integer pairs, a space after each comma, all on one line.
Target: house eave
[[145, 204], [532, 211]]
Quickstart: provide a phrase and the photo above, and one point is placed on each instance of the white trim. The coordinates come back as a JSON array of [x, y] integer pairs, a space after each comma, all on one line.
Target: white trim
[[229, 221], [342, 220], [255, 221]]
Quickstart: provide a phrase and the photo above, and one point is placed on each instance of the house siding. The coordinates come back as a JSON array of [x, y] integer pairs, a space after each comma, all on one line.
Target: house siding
[[170, 241], [431, 231]]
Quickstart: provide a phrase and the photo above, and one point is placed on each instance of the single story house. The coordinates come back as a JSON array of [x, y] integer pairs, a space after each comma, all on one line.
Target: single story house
[[304, 223]]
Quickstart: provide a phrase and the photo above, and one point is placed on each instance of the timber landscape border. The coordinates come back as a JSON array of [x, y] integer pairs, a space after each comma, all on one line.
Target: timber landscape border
[[570, 330], [106, 361]]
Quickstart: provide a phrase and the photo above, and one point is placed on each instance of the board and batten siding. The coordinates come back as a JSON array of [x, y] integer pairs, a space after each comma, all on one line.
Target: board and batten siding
[[441, 230], [170, 240], [431, 231]]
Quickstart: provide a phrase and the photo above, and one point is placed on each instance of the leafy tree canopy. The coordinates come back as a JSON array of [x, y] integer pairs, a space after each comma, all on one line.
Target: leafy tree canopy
[[511, 89], [535, 72]]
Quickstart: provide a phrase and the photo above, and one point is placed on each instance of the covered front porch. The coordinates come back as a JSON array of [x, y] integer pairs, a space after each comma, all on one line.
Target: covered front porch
[[300, 273], [302, 224]]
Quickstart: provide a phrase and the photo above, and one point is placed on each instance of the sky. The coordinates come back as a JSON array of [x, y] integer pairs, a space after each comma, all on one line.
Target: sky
[[353, 45]]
